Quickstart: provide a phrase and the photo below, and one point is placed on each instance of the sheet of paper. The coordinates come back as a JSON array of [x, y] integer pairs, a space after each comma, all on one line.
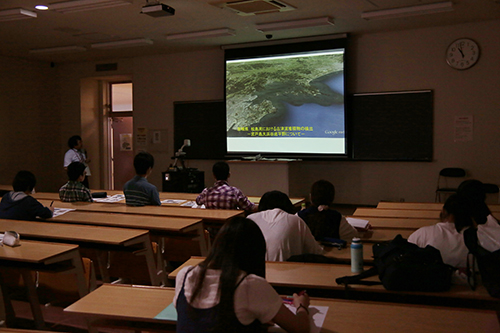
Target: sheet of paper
[[169, 313], [111, 199], [172, 201], [317, 313], [358, 223], [61, 211], [192, 204]]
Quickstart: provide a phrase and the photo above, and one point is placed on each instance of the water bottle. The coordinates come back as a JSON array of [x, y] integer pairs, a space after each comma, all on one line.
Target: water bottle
[[356, 255]]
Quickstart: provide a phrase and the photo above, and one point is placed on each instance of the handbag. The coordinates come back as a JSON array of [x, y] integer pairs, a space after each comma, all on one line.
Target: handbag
[[403, 266], [488, 264]]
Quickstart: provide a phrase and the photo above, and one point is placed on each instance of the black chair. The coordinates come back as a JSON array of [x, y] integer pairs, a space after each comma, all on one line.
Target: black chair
[[443, 186]]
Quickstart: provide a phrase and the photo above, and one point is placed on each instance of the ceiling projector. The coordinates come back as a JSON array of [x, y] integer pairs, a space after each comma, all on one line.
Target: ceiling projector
[[158, 10]]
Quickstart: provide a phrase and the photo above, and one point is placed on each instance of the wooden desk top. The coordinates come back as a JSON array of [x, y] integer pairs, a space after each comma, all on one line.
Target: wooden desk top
[[398, 222], [404, 213], [142, 304], [163, 196], [423, 205], [72, 232], [151, 223], [383, 235], [344, 254], [322, 276], [218, 215], [34, 251]]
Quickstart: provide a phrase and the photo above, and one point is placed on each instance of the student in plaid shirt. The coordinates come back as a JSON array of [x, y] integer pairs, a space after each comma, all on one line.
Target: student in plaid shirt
[[74, 190], [221, 195]]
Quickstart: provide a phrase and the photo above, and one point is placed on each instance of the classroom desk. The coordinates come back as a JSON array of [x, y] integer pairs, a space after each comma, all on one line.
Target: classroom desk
[[404, 213], [106, 238], [344, 254], [137, 307], [383, 235], [297, 202], [157, 225], [319, 280], [208, 215], [423, 205], [397, 222], [41, 256]]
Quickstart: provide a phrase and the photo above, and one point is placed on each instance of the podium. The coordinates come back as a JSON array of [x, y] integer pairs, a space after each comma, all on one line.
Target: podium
[[187, 180]]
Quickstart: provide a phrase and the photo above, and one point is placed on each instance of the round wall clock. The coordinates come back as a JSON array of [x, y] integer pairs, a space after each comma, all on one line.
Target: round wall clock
[[462, 53]]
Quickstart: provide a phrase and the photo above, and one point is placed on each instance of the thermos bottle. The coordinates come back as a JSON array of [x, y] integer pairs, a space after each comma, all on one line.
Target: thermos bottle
[[356, 255]]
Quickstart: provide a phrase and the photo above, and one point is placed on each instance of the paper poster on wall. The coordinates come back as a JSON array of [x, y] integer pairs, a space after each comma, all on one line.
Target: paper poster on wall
[[126, 142], [141, 137], [464, 128]]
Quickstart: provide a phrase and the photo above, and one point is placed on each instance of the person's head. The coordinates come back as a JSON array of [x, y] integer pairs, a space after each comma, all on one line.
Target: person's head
[[76, 171], [75, 142], [322, 193], [24, 181], [473, 191], [143, 162], [239, 245], [221, 170], [457, 210], [276, 199]]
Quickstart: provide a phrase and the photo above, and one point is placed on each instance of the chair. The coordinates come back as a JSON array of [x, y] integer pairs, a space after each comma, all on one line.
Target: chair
[[443, 183]]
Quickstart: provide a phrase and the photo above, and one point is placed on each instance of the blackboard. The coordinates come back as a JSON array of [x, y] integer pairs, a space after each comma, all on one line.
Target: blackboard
[[204, 123], [394, 126]]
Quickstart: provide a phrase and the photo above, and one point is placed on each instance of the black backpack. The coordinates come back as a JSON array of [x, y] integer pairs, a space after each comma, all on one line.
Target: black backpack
[[487, 262], [404, 266]]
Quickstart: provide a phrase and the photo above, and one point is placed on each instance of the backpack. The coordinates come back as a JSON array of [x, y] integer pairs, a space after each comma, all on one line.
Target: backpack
[[403, 266], [487, 262]]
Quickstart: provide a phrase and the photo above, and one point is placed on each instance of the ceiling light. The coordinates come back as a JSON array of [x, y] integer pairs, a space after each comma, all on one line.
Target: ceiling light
[[284, 25], [16, 14], [83, 5], [62, 49], [41, 7], [203, 34], [430, 8], [123, 43]]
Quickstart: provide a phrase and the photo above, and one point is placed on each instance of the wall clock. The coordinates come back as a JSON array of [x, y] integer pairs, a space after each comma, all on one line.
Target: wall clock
[[462, 53]]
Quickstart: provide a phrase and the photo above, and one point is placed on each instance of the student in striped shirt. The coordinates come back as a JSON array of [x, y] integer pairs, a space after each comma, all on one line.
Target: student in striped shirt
[[74, 190], [138, 191]]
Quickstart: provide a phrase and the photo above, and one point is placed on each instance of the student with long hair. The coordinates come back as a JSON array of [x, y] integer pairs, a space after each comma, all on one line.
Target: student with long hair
[[321, 218], [227, 292], [447, 236]]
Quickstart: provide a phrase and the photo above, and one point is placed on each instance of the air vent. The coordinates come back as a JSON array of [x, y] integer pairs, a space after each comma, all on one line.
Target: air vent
[[253, 7]]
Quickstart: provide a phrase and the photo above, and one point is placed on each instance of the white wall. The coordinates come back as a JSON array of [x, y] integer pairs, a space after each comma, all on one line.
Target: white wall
[[392, 61]]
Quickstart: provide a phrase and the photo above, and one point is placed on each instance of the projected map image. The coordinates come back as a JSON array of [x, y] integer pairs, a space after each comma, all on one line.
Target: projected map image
[[286, 96]]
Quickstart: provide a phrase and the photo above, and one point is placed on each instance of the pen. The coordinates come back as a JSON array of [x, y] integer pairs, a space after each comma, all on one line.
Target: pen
[[51, 203]]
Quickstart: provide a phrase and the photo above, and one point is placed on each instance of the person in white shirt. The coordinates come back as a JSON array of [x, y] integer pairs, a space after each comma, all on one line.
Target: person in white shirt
[[286, 234], [447, 236], [488, 228], [76, 153]]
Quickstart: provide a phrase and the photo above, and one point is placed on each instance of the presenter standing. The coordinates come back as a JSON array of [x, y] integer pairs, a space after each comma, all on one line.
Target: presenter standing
[[77, 153]]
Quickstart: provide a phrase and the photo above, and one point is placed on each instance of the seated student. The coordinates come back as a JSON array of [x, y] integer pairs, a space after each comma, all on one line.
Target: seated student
[[19, 204], [447, 236], [74, 190], [286, 234], [488, 228], [227, 292], [138, 191], [221, 195], [321, 219]]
